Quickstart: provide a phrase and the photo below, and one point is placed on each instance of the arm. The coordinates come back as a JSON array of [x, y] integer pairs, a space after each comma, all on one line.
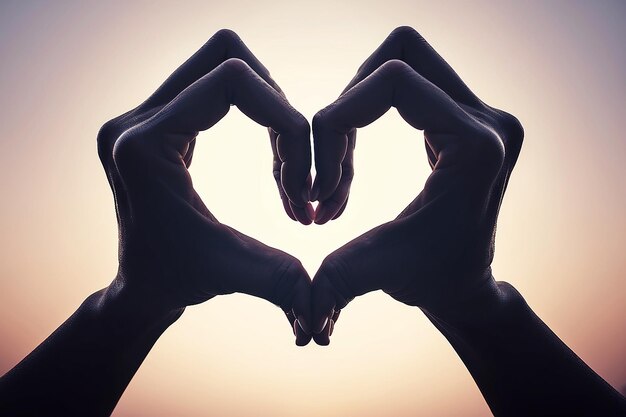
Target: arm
[[172, 251], [437, 253], [521, 367], [91, 358]]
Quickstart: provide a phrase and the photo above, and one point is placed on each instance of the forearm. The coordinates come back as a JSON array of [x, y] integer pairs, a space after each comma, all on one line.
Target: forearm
[[521, 367], [85, 365]]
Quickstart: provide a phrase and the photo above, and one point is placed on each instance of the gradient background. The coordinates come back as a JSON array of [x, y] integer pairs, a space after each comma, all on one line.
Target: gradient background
[[67, 67]]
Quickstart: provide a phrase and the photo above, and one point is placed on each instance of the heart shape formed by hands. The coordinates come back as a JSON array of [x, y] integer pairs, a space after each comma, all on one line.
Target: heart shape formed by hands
[[436, 254]]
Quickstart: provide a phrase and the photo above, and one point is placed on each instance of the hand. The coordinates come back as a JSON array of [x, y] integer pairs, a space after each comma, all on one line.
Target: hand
[[437, 253], [172, 251]]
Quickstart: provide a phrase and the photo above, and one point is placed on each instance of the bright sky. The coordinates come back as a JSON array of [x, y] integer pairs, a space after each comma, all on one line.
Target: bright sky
[[558, 66]]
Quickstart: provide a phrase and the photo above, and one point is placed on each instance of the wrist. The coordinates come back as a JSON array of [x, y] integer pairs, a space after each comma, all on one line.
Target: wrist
[[494, 306], [125, 313]]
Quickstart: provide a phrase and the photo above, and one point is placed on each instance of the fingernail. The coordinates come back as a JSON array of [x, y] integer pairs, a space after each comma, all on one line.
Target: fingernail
[[303, 325], [324, 325], [332, 327]]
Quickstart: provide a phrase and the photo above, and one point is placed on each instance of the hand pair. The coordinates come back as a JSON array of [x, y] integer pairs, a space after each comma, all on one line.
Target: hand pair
[[436, 254]]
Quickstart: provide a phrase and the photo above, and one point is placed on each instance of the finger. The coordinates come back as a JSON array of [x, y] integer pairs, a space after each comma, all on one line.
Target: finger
[[266, 273], [333, 287], [512, 133], [300, 300], [276, 166], [347, 171], [306, 214], [206, 101], [323, 304], [302, 214], [189, 155], [341, 210], [275, 276], [107, 136], [233, 82], [430, 154], [419, 102], [406, 44], [334, 321], [295, 172], [302, 338], [223, 45], [333, 206], [323, 338]]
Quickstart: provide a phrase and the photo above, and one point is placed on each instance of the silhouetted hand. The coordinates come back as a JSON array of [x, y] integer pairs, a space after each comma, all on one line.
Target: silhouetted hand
[[437, 253], [172, 250]]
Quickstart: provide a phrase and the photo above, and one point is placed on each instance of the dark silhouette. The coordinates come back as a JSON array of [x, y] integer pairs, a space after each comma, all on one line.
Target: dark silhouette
[[172, 250], [436, 255]]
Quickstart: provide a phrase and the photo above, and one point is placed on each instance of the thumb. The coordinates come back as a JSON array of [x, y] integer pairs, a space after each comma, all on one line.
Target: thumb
[[329, 295], [261, 271]]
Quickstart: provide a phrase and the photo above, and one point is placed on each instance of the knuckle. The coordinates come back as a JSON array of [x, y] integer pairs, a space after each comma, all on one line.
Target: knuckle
[[395, 69], [322, 120], [513, 131], [235, 67], [333, 273], [347, 172], [330, 265], [290, 275], [300, 126], [107, 135], [403, 33], [226, 35], [128, 148], [487, 151]]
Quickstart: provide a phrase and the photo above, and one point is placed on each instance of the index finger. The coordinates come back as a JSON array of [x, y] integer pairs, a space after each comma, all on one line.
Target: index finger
[[205, 102], [406, 44], [223, 45], [419, 102]]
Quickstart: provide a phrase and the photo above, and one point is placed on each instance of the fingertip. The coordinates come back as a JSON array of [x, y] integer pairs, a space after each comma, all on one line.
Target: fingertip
[[321, 328], [321, 214], [303, 341], [302, 338], [310, 212], [341, 210], [303, 214], [322, 341], [323, 338], [306, 194], [315, 192], [289, 211], [302, 322], [322, 307]]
